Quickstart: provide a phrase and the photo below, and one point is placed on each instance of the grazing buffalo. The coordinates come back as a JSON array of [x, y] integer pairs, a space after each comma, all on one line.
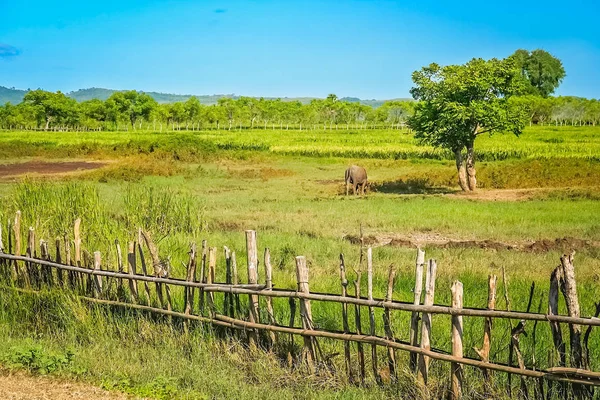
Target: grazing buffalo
[[357, 176]]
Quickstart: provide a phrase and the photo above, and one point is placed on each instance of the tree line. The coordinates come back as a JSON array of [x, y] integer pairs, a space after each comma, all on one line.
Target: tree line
[[133, 110]]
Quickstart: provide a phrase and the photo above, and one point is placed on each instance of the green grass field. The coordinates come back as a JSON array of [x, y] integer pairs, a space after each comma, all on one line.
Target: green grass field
[[288, 185]]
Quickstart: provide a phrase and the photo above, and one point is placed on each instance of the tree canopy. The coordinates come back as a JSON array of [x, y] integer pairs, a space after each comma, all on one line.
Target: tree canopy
[[457, 103], [542, 72]]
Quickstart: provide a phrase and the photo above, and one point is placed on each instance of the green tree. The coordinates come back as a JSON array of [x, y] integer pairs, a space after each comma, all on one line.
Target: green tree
[[457, 103], [49, 107], [130, 105], [541, 70]]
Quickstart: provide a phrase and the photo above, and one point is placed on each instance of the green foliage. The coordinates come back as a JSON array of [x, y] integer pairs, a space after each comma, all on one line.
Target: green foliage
[[35, 359], [542, 72], [459, 102]]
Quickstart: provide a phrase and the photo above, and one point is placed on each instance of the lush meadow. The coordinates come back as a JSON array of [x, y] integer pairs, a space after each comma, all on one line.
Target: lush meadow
[[288, 185]]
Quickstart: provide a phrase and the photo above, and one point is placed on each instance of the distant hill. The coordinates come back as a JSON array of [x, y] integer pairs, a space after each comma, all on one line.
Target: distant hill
[[15, 96], [11, 95]]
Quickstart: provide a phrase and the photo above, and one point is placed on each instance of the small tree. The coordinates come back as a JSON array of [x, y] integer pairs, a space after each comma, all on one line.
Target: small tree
[[457, 103]]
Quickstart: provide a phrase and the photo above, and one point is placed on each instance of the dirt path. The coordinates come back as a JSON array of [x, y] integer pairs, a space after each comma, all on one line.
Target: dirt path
[[46, 168], [21, 386], [565, 244]]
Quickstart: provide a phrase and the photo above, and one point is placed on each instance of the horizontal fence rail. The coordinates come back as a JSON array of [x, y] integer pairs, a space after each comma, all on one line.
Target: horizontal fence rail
[[142, 283], [259, 289]]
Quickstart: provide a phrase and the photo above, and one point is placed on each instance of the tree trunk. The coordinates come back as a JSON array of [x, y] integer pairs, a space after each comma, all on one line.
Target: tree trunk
[[471, 167], [462, 173]]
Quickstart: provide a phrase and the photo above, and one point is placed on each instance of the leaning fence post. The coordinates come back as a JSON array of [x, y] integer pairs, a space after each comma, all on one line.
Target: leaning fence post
[[484, 352], [203, 275], [31, 253], [426, 322], [58, 259], [372, 315], [46, 271], [191, 277], [252, 252], [143, 263], [131, 270], [309, 354], [97, 278], [344, 282], [457, 343], [71, 276], [414, 320], [18, 266], [387, 319], [269, 286], [77, 248]]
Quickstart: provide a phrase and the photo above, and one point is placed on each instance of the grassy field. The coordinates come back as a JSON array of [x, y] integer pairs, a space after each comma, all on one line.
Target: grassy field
[[288, 185]]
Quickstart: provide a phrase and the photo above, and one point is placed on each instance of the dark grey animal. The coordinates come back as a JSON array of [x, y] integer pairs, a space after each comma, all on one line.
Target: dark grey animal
[[357, 177]]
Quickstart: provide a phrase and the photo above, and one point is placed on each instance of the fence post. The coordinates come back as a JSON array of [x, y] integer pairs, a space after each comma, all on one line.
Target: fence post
[[269, 286], [210, 278], [131, 270], [570, 293], [20, 269], [344, 282], [414, 320], [31, 253], [98, 279], [426, 322], [484, 352], [119, 267], [191, 277], [457, 343], [58, 258], [252, 252], [387, 319], [357, 322], [308, 351], [228, 297], [143, 263], [46, 272], [234, 278], [203, 274], [71, 276], [372, 314], [77, 249]]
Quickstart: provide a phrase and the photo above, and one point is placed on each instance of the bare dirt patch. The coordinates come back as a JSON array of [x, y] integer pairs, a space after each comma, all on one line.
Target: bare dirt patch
[[21, 386], [566, 244], [501, 194], [46, 168]]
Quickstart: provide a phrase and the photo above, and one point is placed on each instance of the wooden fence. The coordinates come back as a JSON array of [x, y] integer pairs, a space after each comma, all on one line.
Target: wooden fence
[[131, 284]]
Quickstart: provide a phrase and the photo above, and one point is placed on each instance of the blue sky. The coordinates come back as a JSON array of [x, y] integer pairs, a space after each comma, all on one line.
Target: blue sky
[[359, 48]]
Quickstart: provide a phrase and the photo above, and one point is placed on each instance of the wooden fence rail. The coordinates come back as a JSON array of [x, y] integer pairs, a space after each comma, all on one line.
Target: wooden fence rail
[[86, 276]]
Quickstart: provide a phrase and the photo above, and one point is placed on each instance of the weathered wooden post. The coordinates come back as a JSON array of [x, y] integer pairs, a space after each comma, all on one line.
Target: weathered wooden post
[[210, 278], [131, 261], [71, 276], [120, 267], [97, 278], [372, 315], [228, 297], [20, 269], [251, 249], [31, 253], [423, 364], [191, 277], [143, 263], [456, 380], [235, 280], [58, 259], [357, 322], [346, 327], [484, 352], [269, 286], [414, 320], [203, 271], [387, 322], [309, 351], [46, 271], [77, 256]]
